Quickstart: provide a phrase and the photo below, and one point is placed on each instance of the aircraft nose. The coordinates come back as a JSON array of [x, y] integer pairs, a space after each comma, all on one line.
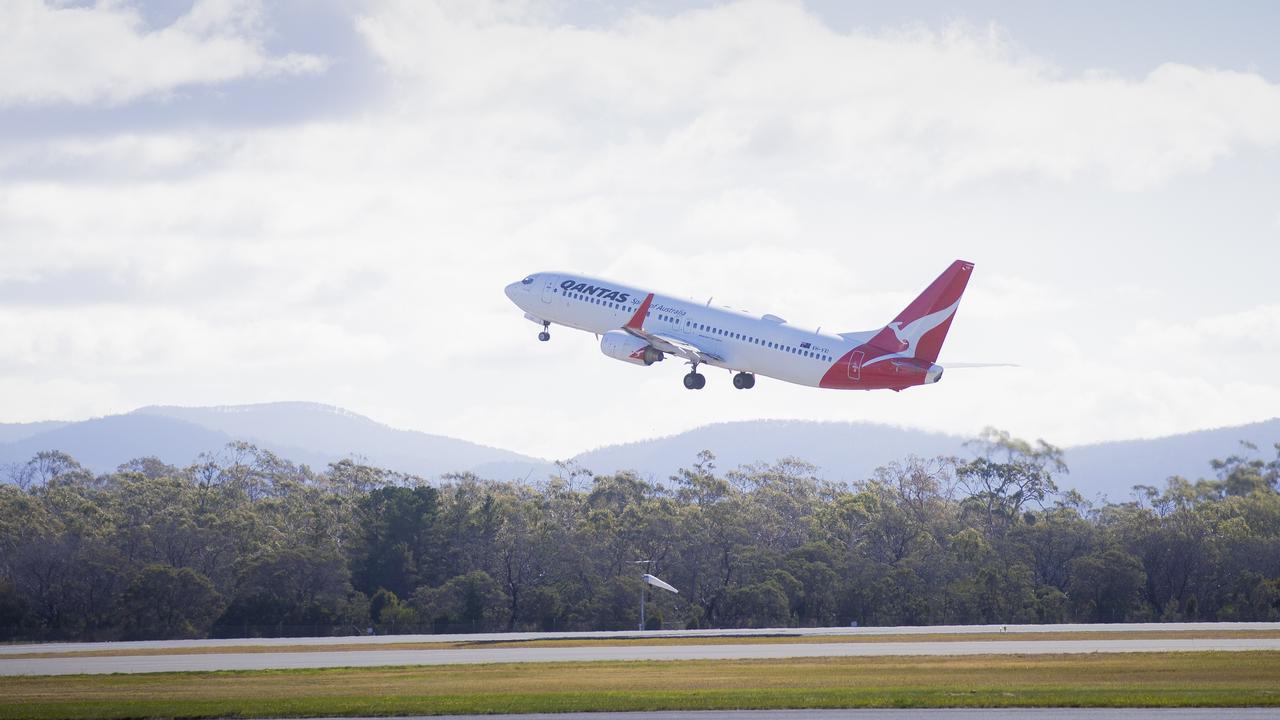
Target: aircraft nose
[[512, 291]]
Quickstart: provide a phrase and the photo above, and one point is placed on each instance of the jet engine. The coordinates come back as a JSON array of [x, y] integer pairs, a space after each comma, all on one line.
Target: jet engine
[[622, 345]]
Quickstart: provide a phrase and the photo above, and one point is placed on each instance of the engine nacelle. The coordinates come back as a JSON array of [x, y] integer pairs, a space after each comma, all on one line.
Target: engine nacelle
[[622, 345]]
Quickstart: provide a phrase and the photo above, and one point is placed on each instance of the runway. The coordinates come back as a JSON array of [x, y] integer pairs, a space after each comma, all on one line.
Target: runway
[[635, 634], [15, 664]]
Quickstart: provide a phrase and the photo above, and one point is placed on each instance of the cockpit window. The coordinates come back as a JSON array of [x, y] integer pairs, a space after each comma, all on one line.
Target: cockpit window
[[527, 281]]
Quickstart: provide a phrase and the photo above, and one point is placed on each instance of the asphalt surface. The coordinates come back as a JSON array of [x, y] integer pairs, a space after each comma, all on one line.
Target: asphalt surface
[[940, 714], [18, 665], [631, 634]]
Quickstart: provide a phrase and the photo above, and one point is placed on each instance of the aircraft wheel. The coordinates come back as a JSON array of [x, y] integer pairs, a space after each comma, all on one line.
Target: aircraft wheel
[[744, 381], [544, 336], [700, 382], [750, 381]]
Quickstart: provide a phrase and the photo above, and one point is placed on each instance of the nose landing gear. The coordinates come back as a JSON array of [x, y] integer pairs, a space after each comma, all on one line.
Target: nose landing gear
[[744, 381], [544, 335]]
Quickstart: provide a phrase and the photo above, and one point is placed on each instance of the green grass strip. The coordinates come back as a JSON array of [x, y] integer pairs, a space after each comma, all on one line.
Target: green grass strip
[[1120, 680]]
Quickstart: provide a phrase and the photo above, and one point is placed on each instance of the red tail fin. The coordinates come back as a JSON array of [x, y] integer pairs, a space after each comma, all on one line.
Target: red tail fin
[[923, 325]]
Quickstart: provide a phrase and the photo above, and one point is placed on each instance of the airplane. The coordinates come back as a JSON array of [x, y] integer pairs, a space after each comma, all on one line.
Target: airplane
[[642, 327]]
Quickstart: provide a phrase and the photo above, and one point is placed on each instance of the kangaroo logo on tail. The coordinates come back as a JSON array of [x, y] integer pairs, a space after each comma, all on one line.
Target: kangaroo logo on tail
[[909, 335], [902, 353]]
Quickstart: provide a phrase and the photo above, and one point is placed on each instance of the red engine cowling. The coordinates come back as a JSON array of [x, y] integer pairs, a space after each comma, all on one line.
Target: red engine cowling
[[622, 345]]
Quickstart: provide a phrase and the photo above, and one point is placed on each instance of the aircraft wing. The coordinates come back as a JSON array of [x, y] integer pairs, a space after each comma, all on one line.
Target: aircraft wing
[[679, 348], [665, 343]]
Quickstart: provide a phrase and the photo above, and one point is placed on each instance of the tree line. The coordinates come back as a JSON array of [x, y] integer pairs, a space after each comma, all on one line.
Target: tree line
[[246, 543]]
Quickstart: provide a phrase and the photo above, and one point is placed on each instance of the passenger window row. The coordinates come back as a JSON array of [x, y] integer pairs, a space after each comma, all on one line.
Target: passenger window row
[[708, 328], [595, 301], [758, 341]]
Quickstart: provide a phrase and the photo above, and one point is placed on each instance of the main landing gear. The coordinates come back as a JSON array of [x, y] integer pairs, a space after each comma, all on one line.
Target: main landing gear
[[544, 335], [695, 381]]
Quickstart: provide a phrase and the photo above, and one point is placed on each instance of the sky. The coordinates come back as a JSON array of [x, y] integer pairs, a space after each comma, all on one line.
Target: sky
[[226, 201]]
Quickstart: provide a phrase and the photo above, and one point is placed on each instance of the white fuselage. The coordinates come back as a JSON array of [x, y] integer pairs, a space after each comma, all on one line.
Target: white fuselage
[[763, 345]]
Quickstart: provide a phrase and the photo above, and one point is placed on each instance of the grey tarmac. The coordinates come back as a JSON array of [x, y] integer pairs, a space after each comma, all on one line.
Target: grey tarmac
[[637, 634], [18, 665]]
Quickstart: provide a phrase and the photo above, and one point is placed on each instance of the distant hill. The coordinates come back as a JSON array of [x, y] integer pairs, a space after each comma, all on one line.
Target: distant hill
[[14, 432], [302, 432], [1115, 467], [331, 433], [103, 444], [317, 434], [852, 451], [842, 451]]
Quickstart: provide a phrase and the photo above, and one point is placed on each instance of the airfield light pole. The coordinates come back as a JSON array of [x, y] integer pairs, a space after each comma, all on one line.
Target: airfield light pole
[[643, 585], [647, 579]]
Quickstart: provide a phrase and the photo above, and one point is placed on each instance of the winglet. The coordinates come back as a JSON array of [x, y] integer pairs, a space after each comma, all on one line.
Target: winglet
[[637, 321]]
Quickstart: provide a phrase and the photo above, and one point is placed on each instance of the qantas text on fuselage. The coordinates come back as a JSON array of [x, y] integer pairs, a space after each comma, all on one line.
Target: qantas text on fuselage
[[642, 327]]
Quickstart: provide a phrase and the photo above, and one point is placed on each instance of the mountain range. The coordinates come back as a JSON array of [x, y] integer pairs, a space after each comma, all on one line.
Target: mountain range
[[317, 434]]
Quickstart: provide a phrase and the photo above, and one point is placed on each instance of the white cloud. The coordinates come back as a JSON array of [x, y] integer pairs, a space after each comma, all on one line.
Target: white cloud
[[1240, 345], [755, 80], [106, 54], [740, 217], [745, 151]]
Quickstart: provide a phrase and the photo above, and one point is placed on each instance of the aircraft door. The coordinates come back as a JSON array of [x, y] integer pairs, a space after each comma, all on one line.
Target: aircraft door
[[855, 364], [548, 289]]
